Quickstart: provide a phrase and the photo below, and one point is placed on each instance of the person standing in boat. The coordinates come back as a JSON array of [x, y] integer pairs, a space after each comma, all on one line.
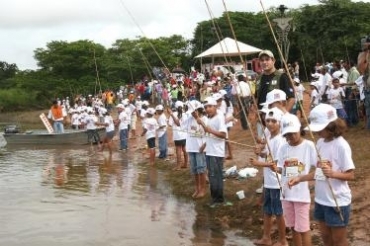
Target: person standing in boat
[[56, 115]]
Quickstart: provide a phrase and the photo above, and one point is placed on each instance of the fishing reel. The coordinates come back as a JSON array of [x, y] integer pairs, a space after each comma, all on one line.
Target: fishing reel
[[365, 43]]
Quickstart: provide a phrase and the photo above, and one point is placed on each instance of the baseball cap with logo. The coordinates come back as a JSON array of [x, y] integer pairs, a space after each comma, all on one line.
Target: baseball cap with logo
[[290, 124], [266, 53], [217, 96], [321, 116], [274, 96]]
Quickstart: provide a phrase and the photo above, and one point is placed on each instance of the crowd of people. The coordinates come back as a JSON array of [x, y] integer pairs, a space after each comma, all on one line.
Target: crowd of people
[[200, 112]]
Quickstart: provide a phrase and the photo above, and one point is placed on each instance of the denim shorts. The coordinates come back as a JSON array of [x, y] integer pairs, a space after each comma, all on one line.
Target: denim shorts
[[151, 143], [197, 163], [271, 202], [331, 216]]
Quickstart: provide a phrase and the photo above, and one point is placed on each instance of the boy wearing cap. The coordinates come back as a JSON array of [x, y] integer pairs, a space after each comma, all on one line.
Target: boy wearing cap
[[162, 132], [214, 147], [272, 79], [333, 171], [271, 200], [150, 126]]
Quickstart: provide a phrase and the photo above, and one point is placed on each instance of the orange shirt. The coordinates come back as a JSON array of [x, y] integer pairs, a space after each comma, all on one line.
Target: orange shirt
[[57, 112]]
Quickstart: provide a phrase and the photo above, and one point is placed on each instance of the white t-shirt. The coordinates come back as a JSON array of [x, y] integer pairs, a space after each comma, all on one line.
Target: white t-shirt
[[242, 89], [123, 120], [151, 126], [229, 114], [143, 113], [177, 132], [195, 136], [270, 181], [360, 84], [316, 96], [162, 121], [216, 146], [138, 104], [300, 89], [109, 120], [306, 155], [339, 153], [90, 121], [335, 97]]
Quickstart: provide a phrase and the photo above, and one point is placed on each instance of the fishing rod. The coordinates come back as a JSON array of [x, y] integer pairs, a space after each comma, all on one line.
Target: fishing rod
[[97, 74], [237, 94], [254, 99], [303, 113]]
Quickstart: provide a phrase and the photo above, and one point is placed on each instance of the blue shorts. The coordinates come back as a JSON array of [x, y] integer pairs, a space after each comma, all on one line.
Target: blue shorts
[[197, 163], [271, 202], [151, 143], [110, 135], [331, 216]]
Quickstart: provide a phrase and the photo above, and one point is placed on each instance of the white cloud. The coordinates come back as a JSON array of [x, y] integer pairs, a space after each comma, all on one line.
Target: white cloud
[[28, 25]]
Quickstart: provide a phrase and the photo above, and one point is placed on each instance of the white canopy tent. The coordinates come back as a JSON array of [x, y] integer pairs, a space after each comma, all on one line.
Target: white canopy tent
[[228, 47]]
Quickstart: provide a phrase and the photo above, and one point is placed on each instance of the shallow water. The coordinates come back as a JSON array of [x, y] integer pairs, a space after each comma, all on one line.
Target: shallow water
[[61, 196]]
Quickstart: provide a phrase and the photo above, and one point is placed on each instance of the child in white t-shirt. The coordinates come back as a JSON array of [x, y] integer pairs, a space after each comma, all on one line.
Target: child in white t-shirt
[[271, 200], [162, 132], [333, 171], [335, 97], [214, 147], [315, 96], [295, 157], [150, 127], [179, 136]]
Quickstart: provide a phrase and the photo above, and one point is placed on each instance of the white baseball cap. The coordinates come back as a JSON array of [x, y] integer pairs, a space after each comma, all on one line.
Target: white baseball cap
[[179, 104], [210, 101], [321, 116], [159, 107], [222, 92], [264, 109], [297, 80], [145, 103], [150, 111], [217, 96], [120, 105], [290, 124], [194, 105], [275, 96], [275, 114]]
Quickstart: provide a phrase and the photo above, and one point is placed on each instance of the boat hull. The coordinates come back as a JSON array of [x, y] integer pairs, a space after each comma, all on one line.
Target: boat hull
[[76, 137]]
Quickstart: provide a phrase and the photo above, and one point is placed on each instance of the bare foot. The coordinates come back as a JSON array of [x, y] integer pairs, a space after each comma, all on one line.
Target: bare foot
[[200, 195], [262, 241]]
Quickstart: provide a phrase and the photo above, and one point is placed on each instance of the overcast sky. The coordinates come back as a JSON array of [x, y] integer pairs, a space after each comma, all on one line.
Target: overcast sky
[[26, 25]]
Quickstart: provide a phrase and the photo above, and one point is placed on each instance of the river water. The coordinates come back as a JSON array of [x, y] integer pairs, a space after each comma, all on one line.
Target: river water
[[73, 196]]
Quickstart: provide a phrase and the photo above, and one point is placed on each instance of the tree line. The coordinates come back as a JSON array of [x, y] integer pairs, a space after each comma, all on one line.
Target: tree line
[[325, 32]]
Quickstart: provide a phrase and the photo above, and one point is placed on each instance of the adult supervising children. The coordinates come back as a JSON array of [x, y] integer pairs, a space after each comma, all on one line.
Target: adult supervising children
[[273, 79]]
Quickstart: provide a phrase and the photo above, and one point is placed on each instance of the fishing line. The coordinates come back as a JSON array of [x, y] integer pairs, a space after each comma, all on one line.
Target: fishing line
[[303, 113], [141, 30], [254, 100], [237, 94]]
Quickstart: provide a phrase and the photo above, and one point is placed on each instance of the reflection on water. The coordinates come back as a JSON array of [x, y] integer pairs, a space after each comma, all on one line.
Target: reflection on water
[[76, 197]]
